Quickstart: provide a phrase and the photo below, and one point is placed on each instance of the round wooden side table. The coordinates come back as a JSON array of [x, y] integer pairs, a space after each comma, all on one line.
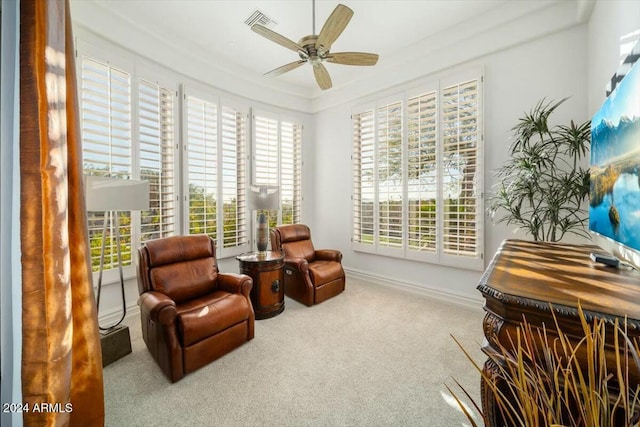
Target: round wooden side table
[[266, 270]]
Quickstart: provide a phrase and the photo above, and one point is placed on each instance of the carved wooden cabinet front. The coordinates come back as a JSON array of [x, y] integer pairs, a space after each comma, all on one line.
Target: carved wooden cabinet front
[[543, 282]]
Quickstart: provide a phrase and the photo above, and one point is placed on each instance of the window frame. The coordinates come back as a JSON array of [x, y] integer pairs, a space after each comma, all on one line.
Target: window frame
[[438, 256], [279, 118], [164, 80], [221, 102], [127, 65]]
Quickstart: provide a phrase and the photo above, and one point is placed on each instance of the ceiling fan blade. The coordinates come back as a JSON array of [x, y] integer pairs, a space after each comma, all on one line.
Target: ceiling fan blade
[[353, 58], [285, 68], [275, 37], [322, 76], [335, 25]]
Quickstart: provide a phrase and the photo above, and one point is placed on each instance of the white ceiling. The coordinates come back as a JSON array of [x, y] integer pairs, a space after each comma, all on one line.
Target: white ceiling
[[214, 30]]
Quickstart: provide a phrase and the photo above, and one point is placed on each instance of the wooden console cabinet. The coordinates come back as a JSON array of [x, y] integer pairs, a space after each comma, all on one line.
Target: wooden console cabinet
[[524, 277], [266, 270]]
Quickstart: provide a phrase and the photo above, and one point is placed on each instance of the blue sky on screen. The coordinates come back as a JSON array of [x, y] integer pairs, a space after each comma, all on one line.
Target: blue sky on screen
[[623, 100]]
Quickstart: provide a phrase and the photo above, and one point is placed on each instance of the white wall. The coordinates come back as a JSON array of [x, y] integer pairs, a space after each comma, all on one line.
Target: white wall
[[609, 21], [516, 78]]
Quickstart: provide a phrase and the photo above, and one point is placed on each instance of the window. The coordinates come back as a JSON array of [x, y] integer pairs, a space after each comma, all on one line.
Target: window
[[234, 184], [417, 190], [291, 172], [156, 134], [422, 172], [192, 149], [390, 176], [215, 163], [106, 126], [277, 161]]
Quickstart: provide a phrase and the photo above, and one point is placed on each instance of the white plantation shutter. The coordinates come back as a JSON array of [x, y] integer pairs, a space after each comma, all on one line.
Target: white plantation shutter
[[106, 119], [291, 172], [233, 139], [422, 182], [105, 114], [460, 135], [266, 156], [266, 151], [390, 195], [363, 140], [425, 175], [201, 123], [156, 133]]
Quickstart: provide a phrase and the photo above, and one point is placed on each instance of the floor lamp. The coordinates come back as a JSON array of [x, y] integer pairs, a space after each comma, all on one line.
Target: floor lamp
[[263, 197], [111, 195]]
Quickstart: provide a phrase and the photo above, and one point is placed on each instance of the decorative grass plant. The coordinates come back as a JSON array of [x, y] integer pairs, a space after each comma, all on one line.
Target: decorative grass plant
[[542, 383]]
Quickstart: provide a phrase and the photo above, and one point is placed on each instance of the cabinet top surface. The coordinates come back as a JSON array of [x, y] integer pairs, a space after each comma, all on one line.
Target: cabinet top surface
[[258, 257], [525, 273]]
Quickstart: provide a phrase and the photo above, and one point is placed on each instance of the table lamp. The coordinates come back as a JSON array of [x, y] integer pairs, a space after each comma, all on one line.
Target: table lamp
[[263, 197]]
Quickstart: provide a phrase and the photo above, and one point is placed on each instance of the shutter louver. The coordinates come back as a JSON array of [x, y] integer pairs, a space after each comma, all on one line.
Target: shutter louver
[[105, 114], [266, 157], [364, 177], [460, 113], [390, 180], [233, 128], [156, 145], [290, 172], [422, 180], [202, 164]]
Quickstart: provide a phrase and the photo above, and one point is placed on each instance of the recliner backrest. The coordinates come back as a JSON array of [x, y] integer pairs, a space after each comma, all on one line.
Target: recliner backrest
[[295, 241], [181, 267]]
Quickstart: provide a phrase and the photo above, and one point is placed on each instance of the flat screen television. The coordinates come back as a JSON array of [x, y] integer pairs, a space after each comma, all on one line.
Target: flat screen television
[[614, 210]]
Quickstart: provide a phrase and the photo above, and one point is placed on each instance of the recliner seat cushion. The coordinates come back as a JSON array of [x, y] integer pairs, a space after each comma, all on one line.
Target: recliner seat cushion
[[322, 272], [209, 315]]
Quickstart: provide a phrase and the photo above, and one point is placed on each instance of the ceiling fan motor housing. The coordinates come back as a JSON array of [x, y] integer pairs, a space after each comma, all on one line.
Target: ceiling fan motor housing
[[311, 52], [314, 49]]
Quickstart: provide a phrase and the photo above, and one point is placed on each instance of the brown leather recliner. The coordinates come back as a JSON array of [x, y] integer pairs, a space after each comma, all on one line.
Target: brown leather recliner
[[191, 313], [310, 276]]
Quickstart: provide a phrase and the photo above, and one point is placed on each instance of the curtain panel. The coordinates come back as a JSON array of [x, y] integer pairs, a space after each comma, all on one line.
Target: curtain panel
[[62, 380]]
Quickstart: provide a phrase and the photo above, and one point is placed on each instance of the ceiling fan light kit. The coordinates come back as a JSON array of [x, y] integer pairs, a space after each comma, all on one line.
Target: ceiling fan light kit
[[315, 49]]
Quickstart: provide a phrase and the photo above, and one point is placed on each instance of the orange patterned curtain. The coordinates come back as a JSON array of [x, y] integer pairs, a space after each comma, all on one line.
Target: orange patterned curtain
[[61, 357]]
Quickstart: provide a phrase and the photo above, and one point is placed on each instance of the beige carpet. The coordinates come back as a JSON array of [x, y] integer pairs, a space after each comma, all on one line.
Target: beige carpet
[[372, 356]]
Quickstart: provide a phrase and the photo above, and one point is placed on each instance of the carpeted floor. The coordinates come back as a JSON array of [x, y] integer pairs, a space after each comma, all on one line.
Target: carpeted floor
[[372, 356]]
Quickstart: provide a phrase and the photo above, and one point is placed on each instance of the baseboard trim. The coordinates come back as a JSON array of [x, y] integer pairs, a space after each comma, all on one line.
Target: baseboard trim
[[476, 303], [110, 317]]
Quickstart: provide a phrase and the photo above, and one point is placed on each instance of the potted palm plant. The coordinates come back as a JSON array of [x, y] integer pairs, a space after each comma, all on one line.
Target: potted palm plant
[[543, 186]]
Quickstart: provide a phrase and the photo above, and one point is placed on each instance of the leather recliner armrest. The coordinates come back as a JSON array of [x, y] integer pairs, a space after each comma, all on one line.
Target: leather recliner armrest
[[329, 255], [299, 264], [235, 283], [158, 307]]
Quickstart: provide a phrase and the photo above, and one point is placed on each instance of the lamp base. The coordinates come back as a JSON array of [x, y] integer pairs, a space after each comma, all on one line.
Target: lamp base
[[263, 233], [115, 343]]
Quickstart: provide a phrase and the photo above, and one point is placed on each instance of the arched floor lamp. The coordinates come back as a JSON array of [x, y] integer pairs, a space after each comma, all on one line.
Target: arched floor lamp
[[111, 195]]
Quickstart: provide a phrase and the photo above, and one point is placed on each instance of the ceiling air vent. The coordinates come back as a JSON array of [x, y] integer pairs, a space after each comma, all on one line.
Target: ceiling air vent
[[257, 17]]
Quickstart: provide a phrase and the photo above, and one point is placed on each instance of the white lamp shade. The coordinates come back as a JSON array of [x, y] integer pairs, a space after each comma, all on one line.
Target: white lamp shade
[[264, 197], [113, 194]]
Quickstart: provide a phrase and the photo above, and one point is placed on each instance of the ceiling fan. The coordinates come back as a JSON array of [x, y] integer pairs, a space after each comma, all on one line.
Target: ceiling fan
[[315, 49]]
